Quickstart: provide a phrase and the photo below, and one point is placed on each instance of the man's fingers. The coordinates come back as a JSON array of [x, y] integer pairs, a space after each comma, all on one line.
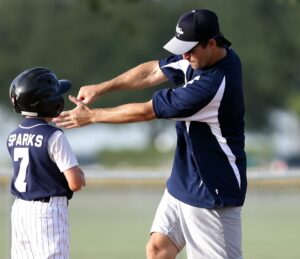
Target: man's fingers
[[80, 98], [73, 118], [65, 124], [74, 100], [64, 114], [61, 117]]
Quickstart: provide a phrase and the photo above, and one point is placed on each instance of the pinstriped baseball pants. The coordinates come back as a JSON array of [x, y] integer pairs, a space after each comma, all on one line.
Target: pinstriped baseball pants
[[40, 230]]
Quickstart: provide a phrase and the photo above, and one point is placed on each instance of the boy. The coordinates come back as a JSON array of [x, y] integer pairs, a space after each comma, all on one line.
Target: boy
[[46, 171]]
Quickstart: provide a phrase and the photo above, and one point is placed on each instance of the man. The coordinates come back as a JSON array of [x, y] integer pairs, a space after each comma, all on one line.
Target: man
[[201, 207]]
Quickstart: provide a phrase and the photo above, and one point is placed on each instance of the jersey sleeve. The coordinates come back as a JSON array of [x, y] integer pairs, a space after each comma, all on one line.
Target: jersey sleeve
[[188, 99], [174, 68], [61, 152]]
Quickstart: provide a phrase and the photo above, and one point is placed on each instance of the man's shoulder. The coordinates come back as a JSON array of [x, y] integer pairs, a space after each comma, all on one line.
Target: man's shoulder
[[170, 60], [233, 57]]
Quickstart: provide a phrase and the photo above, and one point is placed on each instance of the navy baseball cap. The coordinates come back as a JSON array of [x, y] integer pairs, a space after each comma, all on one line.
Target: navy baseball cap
[[193, 27]]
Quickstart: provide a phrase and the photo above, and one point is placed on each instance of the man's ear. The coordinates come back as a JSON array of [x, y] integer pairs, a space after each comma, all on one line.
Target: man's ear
[[212, 43]]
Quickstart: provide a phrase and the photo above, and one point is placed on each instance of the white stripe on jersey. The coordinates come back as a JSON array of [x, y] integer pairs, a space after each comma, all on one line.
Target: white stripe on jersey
[[33, 126], [182, 65], [209, 114]]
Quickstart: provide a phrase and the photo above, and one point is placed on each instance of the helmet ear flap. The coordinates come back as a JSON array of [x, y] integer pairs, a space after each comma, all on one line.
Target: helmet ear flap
[[59, 107], [51, 107]]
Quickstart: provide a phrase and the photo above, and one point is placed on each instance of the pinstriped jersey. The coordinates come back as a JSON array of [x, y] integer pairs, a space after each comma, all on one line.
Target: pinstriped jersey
[[209, 168], [36, 175]]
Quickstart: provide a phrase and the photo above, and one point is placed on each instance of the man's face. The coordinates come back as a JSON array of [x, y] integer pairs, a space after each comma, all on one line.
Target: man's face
[[199, 56]]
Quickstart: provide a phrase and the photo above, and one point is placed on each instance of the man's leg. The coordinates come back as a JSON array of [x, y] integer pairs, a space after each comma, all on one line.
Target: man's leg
[[166, 238], [160, 246], [211, 233]]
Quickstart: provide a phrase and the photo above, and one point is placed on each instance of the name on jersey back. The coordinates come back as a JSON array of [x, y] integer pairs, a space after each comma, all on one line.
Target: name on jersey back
[[25, 139]]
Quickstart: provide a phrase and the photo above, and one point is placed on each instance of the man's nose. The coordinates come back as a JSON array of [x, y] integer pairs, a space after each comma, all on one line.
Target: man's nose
[[186, 56]]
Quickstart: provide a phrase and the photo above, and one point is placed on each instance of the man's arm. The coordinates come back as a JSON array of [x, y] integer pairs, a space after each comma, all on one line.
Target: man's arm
[[82, 115], [142, 76]]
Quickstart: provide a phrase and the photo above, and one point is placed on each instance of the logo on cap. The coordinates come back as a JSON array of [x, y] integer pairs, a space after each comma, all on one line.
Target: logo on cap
[[179, 31]]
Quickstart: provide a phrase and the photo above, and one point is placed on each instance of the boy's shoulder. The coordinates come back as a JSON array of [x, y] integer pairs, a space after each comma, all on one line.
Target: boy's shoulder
[[35, 126]]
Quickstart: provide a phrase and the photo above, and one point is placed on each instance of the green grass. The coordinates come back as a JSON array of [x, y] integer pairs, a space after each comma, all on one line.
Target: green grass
[[113, 222], [272, 226]]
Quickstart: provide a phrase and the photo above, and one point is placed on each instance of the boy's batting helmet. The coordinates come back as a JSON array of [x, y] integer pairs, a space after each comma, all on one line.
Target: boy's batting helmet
[[38, 92]]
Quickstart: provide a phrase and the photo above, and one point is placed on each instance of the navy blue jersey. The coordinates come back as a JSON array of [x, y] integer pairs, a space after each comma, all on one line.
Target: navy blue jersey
[[35, 174], [209, 168]]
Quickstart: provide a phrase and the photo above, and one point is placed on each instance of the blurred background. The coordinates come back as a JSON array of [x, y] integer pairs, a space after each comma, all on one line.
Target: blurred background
[[89, 41]]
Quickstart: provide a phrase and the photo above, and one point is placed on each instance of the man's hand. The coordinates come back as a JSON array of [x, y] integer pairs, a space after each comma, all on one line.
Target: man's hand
[[88, 94], [78, 117]]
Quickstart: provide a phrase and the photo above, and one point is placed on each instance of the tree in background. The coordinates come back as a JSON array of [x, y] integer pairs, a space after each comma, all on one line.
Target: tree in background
[[93, 40]]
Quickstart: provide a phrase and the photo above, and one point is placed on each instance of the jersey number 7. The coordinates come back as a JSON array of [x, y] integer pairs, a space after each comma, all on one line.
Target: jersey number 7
[[23, 154]]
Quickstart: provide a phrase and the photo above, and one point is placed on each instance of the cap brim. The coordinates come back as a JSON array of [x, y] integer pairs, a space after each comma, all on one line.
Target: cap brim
[[179, 47], [64, 86]]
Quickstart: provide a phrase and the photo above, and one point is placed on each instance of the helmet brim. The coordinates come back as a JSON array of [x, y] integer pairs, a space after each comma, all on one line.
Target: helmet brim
[[64, 86]]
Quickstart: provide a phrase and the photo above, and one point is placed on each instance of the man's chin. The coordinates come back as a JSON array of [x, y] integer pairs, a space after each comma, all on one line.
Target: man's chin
[[194, 66]]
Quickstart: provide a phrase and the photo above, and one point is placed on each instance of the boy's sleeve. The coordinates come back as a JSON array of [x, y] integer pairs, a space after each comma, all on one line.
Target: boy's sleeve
[[61, 152]]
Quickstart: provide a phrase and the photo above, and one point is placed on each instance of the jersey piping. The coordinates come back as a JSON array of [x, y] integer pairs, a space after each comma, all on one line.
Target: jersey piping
[[209, 167], [209, 114]]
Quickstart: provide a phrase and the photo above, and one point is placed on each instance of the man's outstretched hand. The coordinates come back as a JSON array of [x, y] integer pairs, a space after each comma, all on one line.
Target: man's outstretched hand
[[80, 116]]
